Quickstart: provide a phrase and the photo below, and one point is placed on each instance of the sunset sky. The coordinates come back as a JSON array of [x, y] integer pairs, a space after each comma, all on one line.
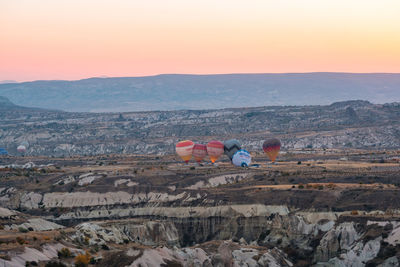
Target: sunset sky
[[74, 39]]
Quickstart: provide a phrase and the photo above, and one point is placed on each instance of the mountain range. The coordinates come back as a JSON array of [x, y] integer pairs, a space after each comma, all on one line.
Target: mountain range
[[181, 91]]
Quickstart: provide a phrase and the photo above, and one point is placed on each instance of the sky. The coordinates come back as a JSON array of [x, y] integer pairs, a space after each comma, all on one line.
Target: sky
[[75, 39]]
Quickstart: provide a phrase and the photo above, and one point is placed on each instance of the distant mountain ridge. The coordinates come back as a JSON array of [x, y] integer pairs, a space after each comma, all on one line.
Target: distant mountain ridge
[[5, 103], [8, 81], [181, 91]]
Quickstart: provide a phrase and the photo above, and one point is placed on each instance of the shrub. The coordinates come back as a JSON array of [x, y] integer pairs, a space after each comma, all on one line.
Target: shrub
[[331, 186], [55, 264], [64, 253], [301, 186], [22, 229], [82, 260], [93, 260], [315, 186], [20, 240]]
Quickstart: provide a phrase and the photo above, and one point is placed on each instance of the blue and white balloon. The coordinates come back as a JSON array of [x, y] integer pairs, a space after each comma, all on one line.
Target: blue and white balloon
[[241, 158]]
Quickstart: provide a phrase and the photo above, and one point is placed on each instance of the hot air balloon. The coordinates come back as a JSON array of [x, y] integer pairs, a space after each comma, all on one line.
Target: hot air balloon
[[231, 147], [25, 144], [271, 147], [21, 149], [214, 150], [241, 158], [184, 150], [199, 152]]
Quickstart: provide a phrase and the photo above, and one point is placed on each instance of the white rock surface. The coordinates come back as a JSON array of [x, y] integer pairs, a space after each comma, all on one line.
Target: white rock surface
[[37, 224], [394, 236], [88, 179], [48, 252], [66, 180], [6, 213], [358, 255], [85, 199], [197, 257], [155, 257], [182, 212], [245, 257], [128, 182], [220, 180], [151, 233], [274, 258], [31, 200]]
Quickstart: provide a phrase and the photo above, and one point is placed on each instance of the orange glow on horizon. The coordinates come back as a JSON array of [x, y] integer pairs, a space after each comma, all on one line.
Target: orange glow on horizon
[[78, 39]]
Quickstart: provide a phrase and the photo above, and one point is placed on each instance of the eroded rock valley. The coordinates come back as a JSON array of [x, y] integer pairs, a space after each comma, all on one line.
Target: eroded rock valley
[[320, 207]]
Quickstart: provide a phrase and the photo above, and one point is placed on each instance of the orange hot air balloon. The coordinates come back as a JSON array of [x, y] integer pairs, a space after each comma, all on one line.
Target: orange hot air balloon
[[271, 147], [199, 152], [184, 150], [215, 149]]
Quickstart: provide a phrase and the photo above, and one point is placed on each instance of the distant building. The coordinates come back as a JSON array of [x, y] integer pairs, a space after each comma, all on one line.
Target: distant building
[[3, 151]]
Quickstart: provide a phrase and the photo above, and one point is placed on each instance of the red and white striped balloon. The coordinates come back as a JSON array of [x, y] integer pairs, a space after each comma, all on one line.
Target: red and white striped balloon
[[214, 150], [199, 152], [184, 149]]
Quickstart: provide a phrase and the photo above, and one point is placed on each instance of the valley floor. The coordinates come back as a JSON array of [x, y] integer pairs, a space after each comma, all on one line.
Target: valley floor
[[313, 207]]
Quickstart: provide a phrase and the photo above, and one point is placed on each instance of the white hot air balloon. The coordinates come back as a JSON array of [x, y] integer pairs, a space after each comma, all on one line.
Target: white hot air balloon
[[241, 158], [25, 144]]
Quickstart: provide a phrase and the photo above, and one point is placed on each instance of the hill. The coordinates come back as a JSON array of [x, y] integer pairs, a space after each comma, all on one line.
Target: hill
[[175, 91], [6, 103], [349, 124]]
